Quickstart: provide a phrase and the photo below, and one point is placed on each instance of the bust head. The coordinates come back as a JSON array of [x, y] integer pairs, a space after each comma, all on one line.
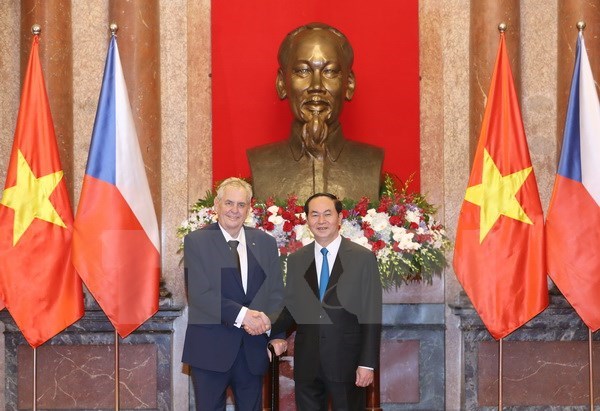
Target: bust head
[[315, 75]]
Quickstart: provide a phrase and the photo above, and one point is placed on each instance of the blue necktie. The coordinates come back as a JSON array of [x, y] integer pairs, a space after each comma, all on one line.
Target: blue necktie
[[324, 274]]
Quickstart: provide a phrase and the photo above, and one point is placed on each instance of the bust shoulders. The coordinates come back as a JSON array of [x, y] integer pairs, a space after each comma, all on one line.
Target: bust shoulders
[[351, 170]]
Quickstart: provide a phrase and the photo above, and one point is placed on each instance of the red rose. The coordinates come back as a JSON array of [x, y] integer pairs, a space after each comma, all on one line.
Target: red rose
[[396, 220], [368, 231], [362, 206], [287, 226], [378, 245]]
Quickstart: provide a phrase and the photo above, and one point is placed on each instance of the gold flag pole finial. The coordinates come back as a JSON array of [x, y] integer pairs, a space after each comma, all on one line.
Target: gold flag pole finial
[[113, 29], [36, 29], [581, 26], [502, 27]]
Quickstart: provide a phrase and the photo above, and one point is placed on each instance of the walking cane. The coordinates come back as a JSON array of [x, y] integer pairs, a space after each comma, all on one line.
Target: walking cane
[[274, 400]]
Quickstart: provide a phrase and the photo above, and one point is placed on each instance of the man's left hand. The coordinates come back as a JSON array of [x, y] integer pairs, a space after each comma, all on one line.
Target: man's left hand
[[364, 377], [280, 346]]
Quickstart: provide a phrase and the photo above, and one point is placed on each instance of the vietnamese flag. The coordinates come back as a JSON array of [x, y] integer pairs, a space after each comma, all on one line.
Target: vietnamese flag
[[499, 251], [116, 240], [38, 283], [573, 222]]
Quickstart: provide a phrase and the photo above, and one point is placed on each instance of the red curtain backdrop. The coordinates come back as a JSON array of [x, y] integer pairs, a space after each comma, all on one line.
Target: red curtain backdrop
[[247, 112]]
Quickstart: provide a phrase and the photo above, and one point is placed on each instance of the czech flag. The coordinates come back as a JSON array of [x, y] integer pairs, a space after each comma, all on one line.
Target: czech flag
[[573, 221], [116, 240]]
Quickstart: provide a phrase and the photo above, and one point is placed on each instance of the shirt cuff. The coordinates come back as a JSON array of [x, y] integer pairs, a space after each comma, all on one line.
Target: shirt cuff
[[240, 317], [366, 368]]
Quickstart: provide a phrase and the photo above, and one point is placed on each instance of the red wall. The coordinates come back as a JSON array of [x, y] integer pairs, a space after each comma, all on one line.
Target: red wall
[[246, 110]]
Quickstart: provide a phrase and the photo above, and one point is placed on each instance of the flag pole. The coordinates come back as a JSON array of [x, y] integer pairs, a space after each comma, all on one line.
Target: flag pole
[[34, 400], [580, 27], [116, 370], [500, 375], [591, 369], [36, 29]]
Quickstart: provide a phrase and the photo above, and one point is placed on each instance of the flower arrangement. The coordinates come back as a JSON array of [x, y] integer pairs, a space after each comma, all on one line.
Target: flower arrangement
[[399, 228]]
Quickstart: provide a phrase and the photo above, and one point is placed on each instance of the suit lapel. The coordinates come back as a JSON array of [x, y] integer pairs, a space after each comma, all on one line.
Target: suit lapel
[[311, 277], [256, 274], [224, 251], [336, 272]]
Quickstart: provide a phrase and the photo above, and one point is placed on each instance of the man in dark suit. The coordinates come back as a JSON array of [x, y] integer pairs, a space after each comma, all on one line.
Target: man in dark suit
[[233, 276], [333, 295]]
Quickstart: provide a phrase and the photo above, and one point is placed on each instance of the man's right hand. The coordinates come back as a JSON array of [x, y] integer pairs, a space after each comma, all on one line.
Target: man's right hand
[[256, 322]]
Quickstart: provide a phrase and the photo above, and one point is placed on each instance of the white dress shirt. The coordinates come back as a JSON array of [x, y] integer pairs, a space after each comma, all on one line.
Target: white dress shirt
[[241, 249], [332, 251]]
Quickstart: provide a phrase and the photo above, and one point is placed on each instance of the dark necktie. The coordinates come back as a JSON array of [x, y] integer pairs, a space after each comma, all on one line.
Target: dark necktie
[[324, 279], [233, 244]]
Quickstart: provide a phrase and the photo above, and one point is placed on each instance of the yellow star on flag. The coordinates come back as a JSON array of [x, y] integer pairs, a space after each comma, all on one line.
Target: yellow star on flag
[[496, 195], [30, 198]]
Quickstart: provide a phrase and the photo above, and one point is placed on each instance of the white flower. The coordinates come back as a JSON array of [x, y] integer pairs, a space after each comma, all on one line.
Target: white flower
[[362, 241], [413, 216], [404, 239], [383, 253], [370, 214], [379, 222], [351, 230], [303, 234], [273, 209], [275, 219], [438, 238], [251, 220]]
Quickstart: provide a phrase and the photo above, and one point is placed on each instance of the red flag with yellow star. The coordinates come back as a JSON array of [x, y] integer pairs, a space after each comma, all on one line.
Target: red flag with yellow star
[[38, 283], [499, 253]]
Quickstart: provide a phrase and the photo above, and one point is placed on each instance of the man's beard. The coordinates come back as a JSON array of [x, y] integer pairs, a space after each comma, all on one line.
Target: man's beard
[[314, 133]]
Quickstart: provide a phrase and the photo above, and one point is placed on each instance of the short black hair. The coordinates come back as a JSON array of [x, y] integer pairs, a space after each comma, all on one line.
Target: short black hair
[[338, 204]]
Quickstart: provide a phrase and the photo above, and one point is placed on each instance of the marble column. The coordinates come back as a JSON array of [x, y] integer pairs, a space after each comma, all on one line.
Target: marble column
[[484, 40], [56, 56], [139, 48], [569, 13]]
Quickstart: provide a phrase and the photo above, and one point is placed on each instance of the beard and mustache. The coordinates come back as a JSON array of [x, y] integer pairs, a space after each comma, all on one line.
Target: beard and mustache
[[315, 131]]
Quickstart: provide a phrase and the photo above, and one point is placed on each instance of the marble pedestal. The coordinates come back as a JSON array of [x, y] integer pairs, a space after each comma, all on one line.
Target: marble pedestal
[[76, 368], [545, 362]]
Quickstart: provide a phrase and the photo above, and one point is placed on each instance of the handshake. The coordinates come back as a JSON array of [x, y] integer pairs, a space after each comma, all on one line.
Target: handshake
[[256, 322]]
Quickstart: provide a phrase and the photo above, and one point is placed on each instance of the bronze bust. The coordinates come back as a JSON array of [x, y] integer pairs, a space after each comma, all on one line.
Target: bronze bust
[[315, 75]]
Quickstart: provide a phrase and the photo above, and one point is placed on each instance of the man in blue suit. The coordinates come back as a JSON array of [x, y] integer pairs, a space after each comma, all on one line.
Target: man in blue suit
[[233, 276]]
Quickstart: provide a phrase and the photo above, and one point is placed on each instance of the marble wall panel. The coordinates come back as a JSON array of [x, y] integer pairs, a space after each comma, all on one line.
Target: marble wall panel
[[73, 355], [83, 377], [542, 373], [545, 361]]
